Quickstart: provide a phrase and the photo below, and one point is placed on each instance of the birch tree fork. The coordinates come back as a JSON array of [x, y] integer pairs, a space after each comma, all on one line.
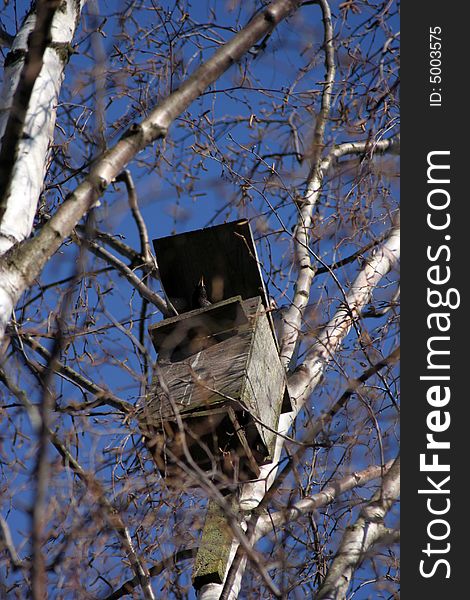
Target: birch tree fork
[[307, 375]]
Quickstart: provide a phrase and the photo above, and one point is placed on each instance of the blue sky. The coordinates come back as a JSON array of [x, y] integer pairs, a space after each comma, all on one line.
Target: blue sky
[[180, 196]]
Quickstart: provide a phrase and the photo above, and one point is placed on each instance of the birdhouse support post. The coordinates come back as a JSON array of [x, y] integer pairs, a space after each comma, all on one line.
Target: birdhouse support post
[[213, 554], [219, 387]]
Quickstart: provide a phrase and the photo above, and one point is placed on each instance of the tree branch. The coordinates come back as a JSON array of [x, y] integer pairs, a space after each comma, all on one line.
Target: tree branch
[[292, 319], [23, 263], [9, 545], [325, 418], [306, 377], [145, 251], [94, 487], [255, 528], [167, 563], [265, 524], [326, 496], [134, 280], [358, 538], [384, 258], [103, 396]]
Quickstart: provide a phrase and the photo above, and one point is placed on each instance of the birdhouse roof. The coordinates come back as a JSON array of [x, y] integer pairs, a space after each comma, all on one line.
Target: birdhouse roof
[[224, 255]]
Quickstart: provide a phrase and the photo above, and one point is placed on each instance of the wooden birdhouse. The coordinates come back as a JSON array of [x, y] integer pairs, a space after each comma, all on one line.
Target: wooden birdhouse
[[219, 385]]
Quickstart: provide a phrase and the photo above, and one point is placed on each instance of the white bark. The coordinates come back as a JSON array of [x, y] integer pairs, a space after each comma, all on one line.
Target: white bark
[[359, 537], [305, 378], [25, 261], [328, 495], [268, 523], [292, 318], [30, 166], [303, 260]]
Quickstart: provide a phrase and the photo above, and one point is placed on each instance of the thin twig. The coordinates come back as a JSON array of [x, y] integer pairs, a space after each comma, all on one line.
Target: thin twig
[[349, 259], [167, 563], [103, 396], [126, 177], [110, 513], [132, 278]]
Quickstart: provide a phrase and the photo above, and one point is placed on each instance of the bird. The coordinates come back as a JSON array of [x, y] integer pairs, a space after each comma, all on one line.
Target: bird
[[199, 298]]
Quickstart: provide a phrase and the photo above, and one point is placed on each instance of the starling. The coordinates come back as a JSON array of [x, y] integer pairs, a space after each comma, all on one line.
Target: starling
[[200, 299]]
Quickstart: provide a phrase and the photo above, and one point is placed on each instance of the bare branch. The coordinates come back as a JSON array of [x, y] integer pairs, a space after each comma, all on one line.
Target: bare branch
[[142, 228], [267, 523], [292, 320], [358, 538], [293, 317], [134, 280], [257, 527], [110, 513], [327, 496], [384, 258], [37, 43], [325, 418], [24, 262], [103, 396], [306, 377], [8, 543], [168, 563], [116, 244]]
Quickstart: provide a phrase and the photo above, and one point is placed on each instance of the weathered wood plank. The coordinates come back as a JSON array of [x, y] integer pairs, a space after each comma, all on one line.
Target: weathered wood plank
[[190, 382], [229, 395], [214, 549], [268, 380]]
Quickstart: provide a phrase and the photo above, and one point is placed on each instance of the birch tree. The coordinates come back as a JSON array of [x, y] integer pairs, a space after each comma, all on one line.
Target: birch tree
[[122, 124]]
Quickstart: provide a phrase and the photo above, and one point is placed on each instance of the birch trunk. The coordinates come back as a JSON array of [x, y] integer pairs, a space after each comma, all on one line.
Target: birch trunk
[[22, 191]]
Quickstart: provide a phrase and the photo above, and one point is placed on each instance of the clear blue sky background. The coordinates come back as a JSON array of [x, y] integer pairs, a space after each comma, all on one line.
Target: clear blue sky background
[[165, 212]]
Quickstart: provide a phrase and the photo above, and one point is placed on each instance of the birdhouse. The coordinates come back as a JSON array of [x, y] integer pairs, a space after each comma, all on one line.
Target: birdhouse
[[219, 385]]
